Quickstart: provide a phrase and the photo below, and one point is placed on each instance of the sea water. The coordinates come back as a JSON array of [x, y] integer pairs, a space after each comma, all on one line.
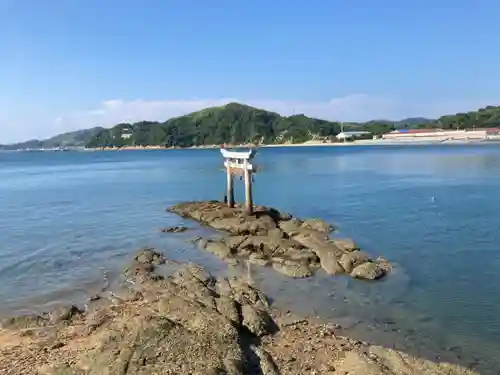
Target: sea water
[[69, 221]]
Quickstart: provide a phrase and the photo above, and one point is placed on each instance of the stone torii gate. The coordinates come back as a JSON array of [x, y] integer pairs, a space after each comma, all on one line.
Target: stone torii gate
[[238, 162]]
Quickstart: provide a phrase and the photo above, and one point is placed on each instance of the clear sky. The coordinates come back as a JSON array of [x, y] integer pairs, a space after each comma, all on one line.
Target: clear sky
[[69, 64]]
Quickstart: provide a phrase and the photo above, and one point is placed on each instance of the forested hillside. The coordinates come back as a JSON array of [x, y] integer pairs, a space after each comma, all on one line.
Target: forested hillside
[[236, 123], [232, 124]]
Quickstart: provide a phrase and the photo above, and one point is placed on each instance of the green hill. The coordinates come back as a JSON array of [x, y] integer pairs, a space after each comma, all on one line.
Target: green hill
[[77, 138], [236, 123], [231, 124]]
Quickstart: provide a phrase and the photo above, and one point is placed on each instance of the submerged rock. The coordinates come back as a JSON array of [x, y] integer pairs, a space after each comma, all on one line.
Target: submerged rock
[[353, 259], [369, 271], [290, 268], [176, 229]]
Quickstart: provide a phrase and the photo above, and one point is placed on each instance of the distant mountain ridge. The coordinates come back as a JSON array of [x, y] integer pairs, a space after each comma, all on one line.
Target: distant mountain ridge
[[233, 123], [78, 138], [236, 123]]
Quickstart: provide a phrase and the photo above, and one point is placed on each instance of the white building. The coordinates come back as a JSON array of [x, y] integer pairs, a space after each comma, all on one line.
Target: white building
[[353, 135]]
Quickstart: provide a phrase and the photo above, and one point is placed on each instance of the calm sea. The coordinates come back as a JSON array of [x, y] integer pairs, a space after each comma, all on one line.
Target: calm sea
[[69, 221]]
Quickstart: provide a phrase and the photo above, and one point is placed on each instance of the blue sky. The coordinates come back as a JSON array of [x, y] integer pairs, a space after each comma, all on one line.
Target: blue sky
[[69, 64]]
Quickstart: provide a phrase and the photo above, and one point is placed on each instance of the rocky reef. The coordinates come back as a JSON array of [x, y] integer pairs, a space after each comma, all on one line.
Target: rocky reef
[[187, 321], [292, 246]]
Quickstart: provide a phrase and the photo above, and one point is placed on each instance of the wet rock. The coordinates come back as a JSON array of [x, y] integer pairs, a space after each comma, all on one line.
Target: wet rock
[[257, 321], [258, 259], [316, 241], [353, 259], [64, 314], [368, 271], [234, 242], [345, 244], [218, 248], [176, 229], [329, 260], [298, 247], [139, 269], [241, 292], [317, 225], [266, 362], [268, 246], [150, 256], [229, 308], [199, 273], [23, 322], [291, 268], [384, 264], [290, 227]]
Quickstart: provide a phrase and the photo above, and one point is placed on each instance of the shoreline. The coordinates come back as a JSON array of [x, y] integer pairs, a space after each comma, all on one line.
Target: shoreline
[[174, 318], [61, 332], [378, 142]]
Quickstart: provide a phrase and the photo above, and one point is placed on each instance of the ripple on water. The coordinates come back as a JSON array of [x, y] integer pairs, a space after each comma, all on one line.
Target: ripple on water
[[68, 219]]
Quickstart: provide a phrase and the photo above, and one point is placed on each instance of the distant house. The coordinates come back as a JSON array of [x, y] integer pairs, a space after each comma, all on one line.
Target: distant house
[[126, 134], [354, 135]]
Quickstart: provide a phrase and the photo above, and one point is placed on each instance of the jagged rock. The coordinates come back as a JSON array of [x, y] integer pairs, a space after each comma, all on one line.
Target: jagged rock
[[351, 260], [330, 263], [292, 268], [317, 225], [150, 256], [316, 241], [176, 229], [290, 227], [25, 321], [296, 245], [267, 365], [194, 325], [241, 292], [369, 271], [258, 259], [345, 244], [229, 308], [218, 248], [139, 269], [65, 313], [276, 234], [233, 242], [257, 321]]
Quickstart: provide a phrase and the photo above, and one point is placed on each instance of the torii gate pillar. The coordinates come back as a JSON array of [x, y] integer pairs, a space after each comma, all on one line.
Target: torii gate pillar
[[237, 162]]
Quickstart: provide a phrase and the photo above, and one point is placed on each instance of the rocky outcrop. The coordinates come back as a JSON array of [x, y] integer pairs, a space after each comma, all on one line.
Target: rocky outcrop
[[176, 229], [293, 247], [190, 323]]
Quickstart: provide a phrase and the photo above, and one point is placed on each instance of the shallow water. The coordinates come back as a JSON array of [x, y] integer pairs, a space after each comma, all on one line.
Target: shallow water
[[69, 221]]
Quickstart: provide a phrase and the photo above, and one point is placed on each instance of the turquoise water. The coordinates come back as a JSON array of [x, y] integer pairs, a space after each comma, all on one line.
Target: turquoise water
[[69, 221]]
